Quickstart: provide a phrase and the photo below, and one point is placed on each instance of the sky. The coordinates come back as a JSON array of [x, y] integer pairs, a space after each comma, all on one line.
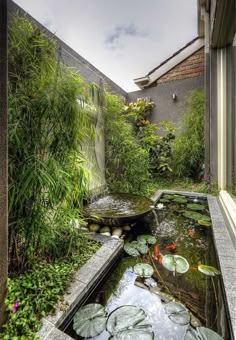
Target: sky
[[124, 39]]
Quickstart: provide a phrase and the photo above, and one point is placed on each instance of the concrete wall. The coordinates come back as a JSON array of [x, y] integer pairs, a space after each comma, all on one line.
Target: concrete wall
[[166, 108], [68, 55]]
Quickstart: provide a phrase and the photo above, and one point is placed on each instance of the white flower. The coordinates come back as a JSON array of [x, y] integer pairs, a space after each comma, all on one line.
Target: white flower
[[160, 206]]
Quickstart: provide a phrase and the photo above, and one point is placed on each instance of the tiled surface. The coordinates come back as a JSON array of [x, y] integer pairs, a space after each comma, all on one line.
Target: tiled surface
[[84, 278]]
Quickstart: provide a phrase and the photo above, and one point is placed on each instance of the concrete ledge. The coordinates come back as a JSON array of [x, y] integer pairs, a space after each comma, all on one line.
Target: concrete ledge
[[85, 278], [226, 252]]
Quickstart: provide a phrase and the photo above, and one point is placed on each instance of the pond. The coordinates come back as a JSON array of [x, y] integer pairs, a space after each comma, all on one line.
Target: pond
[[166, 286]]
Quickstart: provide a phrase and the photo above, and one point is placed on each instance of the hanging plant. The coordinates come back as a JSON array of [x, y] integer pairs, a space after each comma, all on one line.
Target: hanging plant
[[175, 263], [143, 270], [177, 313], [90, 320], [128, 322], [146, 239]]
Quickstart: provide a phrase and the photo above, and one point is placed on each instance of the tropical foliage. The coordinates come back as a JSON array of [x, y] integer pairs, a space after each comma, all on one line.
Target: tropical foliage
[[127, 163], [188, 150]]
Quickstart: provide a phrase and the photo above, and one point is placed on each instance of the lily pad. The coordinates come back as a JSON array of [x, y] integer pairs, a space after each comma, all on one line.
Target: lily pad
[[206, 218], [204, 223], [143, 270], [180, 200], [169, 197], [146, 239], [175, 263], [134, 334], [195, 206], [177, 313], [135, 248], [193, 215], [164, 200], [201, 333], [207, 334], [127, 319], [90, 320], [208, 270]]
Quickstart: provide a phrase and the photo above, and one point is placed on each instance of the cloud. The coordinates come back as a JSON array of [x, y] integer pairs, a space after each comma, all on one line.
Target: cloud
[[114, 39]]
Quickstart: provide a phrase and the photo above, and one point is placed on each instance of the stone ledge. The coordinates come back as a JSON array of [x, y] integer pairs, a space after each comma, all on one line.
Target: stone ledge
[[83, 279]]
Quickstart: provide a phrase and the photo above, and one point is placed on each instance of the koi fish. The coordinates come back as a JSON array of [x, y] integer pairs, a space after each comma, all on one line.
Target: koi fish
[[160, 260], [171, 246], [156, 252], [191, 232]]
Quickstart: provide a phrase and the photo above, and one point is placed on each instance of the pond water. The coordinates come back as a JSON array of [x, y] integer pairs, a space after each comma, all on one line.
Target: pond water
[[188, 297]]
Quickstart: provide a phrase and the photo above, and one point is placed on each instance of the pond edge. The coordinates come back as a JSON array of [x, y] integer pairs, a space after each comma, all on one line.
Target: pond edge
[[83, 280]]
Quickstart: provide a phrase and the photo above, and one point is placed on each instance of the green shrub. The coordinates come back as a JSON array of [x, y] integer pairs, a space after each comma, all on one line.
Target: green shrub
[[47, 125], [38, 292], [188, 150], [158, 146], [127, 162]]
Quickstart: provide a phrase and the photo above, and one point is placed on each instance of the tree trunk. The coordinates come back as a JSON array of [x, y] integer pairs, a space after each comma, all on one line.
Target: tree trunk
[[3, 160]]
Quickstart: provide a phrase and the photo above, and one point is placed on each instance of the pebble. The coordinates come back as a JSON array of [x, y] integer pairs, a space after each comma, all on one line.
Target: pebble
[[105, 229], [94, 227], [106, 233], [126, 227], [117, 231]]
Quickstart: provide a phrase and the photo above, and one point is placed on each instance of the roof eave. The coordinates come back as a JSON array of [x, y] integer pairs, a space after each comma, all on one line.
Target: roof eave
[[142, 81], [187, 52]]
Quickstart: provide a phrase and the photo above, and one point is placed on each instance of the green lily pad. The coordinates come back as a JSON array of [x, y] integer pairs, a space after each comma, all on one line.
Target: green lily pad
[[134, 334], [136, 248], [169, 197], [164, 200], [201, 333], [208, 270], [143, 270], [180, 200], [195, 206], [193, 215], [126, 322], [177, 313], [204, 223], [206, 218], [207, 334], [146, 239], [175, 263], [90, 320]]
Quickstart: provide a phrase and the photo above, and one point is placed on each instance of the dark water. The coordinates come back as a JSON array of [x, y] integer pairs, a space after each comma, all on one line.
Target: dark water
[[201, 294]]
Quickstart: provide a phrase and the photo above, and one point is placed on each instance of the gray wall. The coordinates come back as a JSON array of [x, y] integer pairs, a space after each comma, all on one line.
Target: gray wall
[[69, 56], [165, 107]]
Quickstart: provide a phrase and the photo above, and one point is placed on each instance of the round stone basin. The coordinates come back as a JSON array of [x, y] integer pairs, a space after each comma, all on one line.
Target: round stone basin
[[117, 209]]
